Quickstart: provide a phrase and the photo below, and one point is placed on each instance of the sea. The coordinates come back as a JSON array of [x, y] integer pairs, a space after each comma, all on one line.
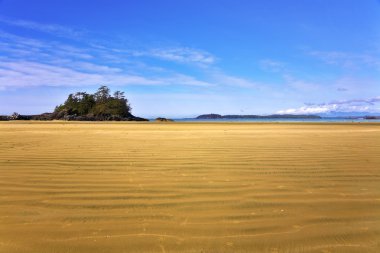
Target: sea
[[321, 120]]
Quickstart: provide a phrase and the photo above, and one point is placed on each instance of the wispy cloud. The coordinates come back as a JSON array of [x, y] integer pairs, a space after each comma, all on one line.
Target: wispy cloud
[[348, 60], [272, 65], [180, 79], [299, 84], [55, 29], [353, 105], [356, 84], [179, 54], [16, 74], [30, 62], [24, 47], [230, 80], [289, 78], [34, 62]]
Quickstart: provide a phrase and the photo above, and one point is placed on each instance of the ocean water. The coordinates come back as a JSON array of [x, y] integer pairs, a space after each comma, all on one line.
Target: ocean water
[[336, 120]]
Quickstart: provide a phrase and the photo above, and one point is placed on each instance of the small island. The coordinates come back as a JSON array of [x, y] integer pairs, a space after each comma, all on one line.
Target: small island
[[160, 119], [82, 106]]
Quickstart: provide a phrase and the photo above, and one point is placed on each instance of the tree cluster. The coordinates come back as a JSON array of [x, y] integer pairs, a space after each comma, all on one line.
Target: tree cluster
[[98, 106]]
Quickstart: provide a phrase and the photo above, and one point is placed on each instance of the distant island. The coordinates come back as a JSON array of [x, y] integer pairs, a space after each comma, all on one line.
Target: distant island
[[273, 116]]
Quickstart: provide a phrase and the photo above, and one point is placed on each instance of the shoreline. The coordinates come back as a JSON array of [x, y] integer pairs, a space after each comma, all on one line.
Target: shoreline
[[194, 122]]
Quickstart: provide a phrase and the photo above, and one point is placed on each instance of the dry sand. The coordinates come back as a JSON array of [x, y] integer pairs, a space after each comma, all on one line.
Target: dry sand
[[181, 187]]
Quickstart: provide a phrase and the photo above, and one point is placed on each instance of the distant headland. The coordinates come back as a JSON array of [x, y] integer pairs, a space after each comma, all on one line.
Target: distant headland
[[273, 116], [214, 116]]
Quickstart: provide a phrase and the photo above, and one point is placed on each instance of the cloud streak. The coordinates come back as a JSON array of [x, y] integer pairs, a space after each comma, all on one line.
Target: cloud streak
[[348, 60], [17, 74], [31, 74], [183, 55], [31, 62], [35, 62], [26, 62], [272, 65], [54, 29], [229, 80]]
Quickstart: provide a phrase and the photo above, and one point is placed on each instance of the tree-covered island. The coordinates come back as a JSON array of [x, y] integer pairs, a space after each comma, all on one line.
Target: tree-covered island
[[83, 106]]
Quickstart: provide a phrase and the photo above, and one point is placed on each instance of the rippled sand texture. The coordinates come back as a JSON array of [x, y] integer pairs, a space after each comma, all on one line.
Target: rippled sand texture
[[150, 187]]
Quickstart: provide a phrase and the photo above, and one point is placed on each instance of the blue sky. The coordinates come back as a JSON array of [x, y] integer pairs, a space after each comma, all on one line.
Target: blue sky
[[184, 58]]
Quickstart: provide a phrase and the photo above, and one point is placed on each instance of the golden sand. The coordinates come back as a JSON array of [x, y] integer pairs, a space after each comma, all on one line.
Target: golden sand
[[182, 187]]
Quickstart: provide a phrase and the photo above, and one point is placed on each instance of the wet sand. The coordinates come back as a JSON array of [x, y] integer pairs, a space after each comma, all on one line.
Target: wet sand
[[189, 187]]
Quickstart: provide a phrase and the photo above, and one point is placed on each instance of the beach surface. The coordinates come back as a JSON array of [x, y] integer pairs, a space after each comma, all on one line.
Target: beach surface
[[189, 187]]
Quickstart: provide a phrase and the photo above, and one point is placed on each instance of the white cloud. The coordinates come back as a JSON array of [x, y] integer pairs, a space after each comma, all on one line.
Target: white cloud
[[24, 74], [354, 105], [35, 62], [16, 74], [30, 62]]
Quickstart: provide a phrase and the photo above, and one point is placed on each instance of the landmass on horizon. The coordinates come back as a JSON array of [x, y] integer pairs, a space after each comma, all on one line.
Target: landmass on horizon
[[102, 106], [272, 116]]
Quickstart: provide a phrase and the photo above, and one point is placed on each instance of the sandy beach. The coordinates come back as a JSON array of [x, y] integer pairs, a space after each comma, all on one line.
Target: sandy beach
[[189, 187]]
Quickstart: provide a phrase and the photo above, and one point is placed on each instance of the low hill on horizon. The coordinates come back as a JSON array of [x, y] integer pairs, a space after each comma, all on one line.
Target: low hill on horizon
[[272, 116]]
